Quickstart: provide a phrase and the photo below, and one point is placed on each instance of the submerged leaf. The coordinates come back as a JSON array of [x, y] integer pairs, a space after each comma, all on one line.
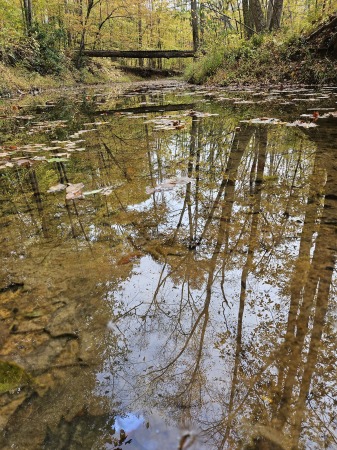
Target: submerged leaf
[[12, 377]]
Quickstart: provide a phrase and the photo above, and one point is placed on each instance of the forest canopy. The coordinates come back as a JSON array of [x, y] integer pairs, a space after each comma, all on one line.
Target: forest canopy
[[41, 33]]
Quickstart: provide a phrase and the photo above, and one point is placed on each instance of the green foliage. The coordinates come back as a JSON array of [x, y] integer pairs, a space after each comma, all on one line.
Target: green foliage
[[206, 66], [39, 52], [49, 58], [265, 58]]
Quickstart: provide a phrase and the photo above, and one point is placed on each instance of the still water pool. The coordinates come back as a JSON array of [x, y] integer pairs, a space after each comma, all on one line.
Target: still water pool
[[168, 268]]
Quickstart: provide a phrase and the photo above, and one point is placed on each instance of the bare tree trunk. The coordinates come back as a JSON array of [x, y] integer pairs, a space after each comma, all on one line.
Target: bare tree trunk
[[247, 19], [28, 14], [202, 24], [258, 15], [275, 8], [195, 24], [140, 35], [90, 6]]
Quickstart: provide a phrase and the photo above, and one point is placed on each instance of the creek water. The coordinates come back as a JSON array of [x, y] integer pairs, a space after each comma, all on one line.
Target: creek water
[[167, 276]]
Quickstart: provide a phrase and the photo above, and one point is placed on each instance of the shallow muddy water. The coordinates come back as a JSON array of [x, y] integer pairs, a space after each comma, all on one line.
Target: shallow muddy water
[[168, 269]]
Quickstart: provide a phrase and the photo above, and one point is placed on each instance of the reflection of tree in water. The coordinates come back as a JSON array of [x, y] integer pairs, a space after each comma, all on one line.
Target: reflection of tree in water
[[228, 353], [310, 289], [269, 386]]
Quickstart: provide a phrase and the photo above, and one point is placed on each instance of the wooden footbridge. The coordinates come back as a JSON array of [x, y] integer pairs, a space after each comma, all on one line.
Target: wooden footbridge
[[166, 54]]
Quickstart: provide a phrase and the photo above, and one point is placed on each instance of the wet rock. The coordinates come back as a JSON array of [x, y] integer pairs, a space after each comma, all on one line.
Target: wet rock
[[8, 405], [69, 354], [88, 349], [63, 322], [12, 287], [4, 333]]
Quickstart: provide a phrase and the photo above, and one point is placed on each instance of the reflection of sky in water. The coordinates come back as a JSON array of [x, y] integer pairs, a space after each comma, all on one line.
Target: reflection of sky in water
[[128, 423], [149, 342]]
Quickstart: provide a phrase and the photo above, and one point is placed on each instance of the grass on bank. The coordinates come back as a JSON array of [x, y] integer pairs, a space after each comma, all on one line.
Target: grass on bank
[[39, 62], [14, 79], [264, 59]]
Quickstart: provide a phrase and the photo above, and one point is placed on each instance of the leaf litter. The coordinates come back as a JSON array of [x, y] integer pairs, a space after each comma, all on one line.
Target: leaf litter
[[74, 191]]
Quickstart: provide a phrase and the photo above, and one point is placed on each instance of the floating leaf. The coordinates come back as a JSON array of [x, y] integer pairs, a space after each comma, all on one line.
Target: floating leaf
[[264, 121], [61, 155], [107, 190], [24, 117], [169, 184], [39, 158], [57, 160], [126, 259], [199, 114], [95, 191], [57, 188], [300, 123], [24, 162], [6, 164], [74, 191]]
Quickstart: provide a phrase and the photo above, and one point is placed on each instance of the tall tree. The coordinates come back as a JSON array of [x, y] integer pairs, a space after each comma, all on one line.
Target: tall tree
[[257, 15], [275, 8], [195, 24], [27, 9]]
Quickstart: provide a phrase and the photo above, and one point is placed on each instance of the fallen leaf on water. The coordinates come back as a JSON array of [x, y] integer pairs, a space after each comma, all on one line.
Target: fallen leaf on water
[[300, 123], [74, 191], [57, 160], [264, 120], [95, 191], [24, 163], [126, 259], [61, 155], [4, 164], [169, 184], [107, 190], [39, 158], [57, 188], [200, 114]]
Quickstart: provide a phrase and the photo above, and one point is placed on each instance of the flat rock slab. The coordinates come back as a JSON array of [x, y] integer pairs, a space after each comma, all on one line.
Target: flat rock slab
[[63, 322]]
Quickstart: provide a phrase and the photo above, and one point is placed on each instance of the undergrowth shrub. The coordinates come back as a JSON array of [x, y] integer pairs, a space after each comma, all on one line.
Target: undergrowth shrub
[[206, 65], [265, 58], [49, 57], [39, 52]]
